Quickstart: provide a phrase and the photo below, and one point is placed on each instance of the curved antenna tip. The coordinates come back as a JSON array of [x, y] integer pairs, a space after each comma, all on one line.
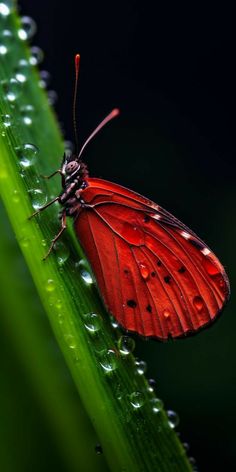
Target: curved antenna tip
[[115, 112]]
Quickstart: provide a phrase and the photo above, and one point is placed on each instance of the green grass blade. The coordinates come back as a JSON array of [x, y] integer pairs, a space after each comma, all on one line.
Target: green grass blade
[[134, 435], [26, 328]]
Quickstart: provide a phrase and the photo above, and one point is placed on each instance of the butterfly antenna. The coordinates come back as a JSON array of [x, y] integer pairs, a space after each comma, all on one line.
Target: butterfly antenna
[[77, 63], [115, 112]]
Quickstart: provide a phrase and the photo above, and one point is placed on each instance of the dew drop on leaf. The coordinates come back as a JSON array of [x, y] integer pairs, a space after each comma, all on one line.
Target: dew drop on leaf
[[173, 418], [108, 361], [38, 198], [36, 56], [70, 341], [92, 322], [141, 367], [27, 29], [4, 9], [16, 196], [50, 285], [136, 399], [27, 154], [13, 90], [6, 120], [62, 252], [126, 345], [156, 404]]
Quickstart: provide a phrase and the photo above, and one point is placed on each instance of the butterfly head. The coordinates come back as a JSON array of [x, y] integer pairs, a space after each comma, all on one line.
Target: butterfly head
[[73, 169]]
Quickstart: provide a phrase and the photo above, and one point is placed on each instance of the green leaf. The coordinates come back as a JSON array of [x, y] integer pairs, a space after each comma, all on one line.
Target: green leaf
[[128, 419]]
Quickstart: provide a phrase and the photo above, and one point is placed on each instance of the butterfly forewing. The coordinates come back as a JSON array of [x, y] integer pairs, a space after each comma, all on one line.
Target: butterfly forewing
[[156, 276]]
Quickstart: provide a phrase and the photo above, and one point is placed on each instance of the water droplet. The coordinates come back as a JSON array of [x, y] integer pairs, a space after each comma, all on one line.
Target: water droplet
[[28, 154], [16, 196], [141, 367], [27, 112], [186, 446], [166, 314], [36, 56], [6, 120], [151, 385], [126, 345], [98, 449], [144, 270], [4, 9], [25, 242], [45, 78], [3, 49], [61, 318], [211, 268], [132, 234], [50, 285], [6, 38], [92, 322], [136, 400], [173, 418], [13, 90], [157, 405], [109, 361], [62, 252], [52, 97], [70, 340], [28, 28], [198, 303], [84, 271], [114, 323], [58, 304], [38, 198], [21, 77]]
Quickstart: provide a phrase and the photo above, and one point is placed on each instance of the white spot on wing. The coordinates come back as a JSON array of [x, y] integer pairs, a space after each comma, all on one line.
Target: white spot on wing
[[185, 235], [156, 217], [205, 251]]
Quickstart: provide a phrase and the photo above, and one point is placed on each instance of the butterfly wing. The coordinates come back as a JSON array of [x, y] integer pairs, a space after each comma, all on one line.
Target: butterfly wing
[[156, 276]]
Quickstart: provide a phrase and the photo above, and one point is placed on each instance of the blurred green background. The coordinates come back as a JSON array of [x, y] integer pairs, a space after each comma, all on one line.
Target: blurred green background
[[170, 70]]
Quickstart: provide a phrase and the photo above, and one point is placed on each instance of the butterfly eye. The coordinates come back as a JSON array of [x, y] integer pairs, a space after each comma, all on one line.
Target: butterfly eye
[[72, 167]]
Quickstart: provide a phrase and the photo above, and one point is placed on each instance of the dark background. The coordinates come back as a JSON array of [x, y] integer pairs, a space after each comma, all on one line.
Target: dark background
[[170, 68]]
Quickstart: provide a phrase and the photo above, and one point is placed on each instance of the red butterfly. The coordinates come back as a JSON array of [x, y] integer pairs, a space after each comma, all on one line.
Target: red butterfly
[[155, 275]]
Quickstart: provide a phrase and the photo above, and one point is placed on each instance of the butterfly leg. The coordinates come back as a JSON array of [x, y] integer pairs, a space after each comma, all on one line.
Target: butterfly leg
[[43, 207], [63, 227], [51, 175]]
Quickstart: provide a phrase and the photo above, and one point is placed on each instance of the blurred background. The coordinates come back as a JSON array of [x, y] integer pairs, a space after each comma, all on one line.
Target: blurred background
[[170, 68]]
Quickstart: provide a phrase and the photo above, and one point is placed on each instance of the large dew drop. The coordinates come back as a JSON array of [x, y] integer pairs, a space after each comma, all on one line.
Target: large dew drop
[[126, 345], [27, 155], [27, 29], [92, 322], [108, 361], [136, 399], [38, 198]]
